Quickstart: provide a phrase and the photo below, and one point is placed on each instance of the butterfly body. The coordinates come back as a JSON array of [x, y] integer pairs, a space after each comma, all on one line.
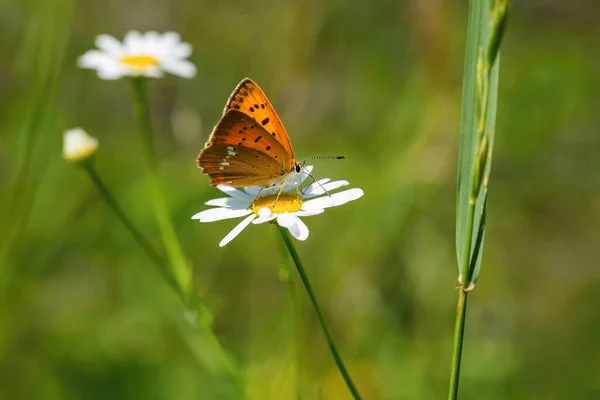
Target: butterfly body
[[249, 145]]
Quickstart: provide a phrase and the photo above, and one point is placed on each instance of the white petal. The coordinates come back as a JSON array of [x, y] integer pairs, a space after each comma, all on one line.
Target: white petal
[[111, 72], [218, 214], [153, 39], [107, 66], [286, 220], [171, 39], [269, 191], [317, 189], [134, 42], [238, 194], [297, 228], [336, 199], [95, 59], [149, 72], [264, 215], [111, 75], [182, 68], [316, 184], [78, 145], [110, 45], [173, 46], [182, 50], [228, 202], [310, 213], [253, 190], [236, 231]]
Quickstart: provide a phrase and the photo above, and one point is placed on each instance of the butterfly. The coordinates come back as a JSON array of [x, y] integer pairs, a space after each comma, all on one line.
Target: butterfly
[[249, 146]]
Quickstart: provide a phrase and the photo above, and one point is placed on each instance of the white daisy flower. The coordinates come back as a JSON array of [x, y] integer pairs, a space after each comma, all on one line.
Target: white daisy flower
[[78, 145], [259, 205], [150, 55]]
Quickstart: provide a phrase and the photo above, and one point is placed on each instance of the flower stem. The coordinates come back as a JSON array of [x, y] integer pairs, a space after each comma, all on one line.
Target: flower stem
[[459, 330], [197, 332], [336, 355], [137, 235], [181, 269]]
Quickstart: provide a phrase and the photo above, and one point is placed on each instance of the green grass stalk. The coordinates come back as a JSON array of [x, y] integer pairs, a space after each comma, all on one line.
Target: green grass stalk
[[459, 330], [197, 331], [198, 334], [179, 264], [478, 116], [110, 200]]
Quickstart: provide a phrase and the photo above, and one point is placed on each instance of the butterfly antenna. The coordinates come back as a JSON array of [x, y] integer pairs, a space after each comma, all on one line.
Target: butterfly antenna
[[313, 177], [317, 157]]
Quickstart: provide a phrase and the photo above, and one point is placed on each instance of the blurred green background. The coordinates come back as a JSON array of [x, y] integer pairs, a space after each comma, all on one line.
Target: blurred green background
[[84, 315]]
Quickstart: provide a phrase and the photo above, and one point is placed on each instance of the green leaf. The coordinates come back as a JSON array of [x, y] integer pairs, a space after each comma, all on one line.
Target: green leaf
[[470, 217]]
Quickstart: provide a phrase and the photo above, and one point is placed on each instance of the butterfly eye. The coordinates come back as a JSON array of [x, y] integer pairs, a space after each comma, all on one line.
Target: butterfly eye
[[298, 167]]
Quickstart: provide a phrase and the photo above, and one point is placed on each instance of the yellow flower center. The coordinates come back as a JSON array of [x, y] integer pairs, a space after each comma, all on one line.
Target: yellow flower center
[[139, 61], [286, 202]]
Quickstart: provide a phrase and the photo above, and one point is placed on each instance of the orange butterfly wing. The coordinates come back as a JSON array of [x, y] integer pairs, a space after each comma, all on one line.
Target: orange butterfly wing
[[249, 98], [240, 152]]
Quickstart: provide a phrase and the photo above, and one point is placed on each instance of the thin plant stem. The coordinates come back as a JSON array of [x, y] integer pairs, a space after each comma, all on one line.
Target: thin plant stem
[[336, 355], [129, 225], [202, 340], [459, 330], [198, 333], [181, 269]]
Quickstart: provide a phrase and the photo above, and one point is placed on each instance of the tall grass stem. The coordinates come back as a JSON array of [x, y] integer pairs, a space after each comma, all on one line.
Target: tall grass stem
[[459, 330], [181, 270], [130, 226], [197, 332], [486, 26]]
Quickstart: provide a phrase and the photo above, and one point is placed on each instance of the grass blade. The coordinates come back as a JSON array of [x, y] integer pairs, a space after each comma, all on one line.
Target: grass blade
[[478, 119]]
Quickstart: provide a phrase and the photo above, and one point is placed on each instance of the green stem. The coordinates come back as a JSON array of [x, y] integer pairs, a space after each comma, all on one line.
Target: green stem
[[200, 338], [336, 355], [181, 269], [203, 341], [459, 330], [137, 235]]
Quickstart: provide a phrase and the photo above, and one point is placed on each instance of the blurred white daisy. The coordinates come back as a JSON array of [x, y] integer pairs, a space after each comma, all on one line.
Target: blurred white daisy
[[78, 145], [259, 205], [150, 55]]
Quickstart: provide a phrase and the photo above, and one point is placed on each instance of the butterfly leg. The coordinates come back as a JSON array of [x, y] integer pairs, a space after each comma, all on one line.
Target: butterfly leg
[[318, 183], [259, 192], [278, 194]]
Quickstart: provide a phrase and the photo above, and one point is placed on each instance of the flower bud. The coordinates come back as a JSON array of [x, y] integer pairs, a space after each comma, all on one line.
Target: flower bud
[[78, 146]]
